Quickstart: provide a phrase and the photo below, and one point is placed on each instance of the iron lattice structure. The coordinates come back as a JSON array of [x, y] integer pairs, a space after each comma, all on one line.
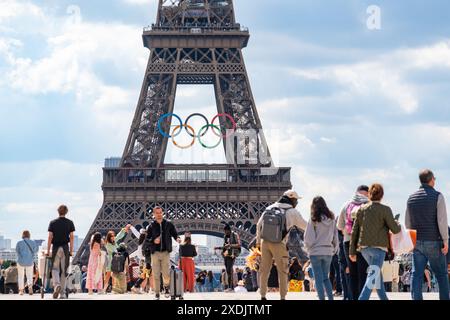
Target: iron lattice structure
[[193, 42]]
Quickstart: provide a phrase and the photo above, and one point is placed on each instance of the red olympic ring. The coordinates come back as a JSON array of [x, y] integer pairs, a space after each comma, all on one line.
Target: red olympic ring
[[226, 115]]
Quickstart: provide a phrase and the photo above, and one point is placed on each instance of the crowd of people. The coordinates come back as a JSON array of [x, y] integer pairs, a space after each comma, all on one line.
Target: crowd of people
[[354, 246], [348, 254]]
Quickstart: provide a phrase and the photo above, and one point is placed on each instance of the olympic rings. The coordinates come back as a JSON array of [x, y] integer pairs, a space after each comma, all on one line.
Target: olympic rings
[[167, 115], [187, 127], [200, 140], [197, 115], [191, 130], [232, 121]]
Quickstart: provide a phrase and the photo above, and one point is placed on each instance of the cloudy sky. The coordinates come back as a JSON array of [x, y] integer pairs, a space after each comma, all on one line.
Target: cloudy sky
[[341, 103]]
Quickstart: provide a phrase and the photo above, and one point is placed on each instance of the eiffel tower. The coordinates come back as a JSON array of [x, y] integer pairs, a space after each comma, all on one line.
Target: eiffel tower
[[193, 42]]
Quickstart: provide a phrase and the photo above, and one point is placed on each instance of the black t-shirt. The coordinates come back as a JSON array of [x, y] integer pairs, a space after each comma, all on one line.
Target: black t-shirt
[[188, 250], [61, 229]]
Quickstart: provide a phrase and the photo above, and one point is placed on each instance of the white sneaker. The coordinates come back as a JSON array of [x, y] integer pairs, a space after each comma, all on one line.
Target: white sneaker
[[136, 290]]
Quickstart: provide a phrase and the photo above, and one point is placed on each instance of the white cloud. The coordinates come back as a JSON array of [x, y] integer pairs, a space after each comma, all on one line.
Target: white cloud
[[73, 56], [384, 76], [12, 9], [328, 140], [436, 55], [32, 195], [84, 59], [368, 79], [188, 91]]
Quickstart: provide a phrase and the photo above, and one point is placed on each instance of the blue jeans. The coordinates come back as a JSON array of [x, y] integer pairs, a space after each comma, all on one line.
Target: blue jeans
[[375, 258], [199, 288], [321, 268], [335, 270], [429, 251], [345, 277]]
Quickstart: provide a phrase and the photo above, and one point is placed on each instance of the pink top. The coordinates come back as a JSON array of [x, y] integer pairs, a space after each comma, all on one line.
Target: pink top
[[96, 248]]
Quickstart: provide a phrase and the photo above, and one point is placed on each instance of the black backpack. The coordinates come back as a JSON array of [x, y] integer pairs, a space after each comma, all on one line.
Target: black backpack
[[118, 262], [147, 248], [274, 225]]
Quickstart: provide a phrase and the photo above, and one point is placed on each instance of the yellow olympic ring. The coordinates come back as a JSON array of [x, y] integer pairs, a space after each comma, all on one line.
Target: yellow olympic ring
[[179, 128]]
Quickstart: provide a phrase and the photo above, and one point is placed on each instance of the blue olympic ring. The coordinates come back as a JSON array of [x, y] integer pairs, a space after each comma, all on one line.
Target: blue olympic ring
[[167, 115]]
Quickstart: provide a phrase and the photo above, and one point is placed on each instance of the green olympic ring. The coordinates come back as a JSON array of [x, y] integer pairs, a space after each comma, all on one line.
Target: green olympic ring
[[200, 136]]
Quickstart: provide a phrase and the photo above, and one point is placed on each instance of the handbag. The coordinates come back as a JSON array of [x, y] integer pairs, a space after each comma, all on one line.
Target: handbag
[[402, 242], [390, 271]]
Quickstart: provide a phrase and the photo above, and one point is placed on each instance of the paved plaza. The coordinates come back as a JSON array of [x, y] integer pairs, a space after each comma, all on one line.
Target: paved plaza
[[209, 296]]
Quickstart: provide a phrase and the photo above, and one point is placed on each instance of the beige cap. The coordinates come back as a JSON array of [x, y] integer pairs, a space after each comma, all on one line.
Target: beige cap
[[292, 194]]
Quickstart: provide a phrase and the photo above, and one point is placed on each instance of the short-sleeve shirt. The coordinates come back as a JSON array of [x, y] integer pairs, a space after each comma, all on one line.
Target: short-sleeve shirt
[[61, 229]]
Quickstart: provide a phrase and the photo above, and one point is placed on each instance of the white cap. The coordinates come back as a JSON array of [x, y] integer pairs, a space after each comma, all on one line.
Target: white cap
[[292, 194]]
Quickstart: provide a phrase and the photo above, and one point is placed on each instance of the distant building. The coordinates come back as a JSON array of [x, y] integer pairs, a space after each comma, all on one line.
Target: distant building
[[202, 250], [77, 242], [213, 242], [210, 259], [5, 244], [8, 255]]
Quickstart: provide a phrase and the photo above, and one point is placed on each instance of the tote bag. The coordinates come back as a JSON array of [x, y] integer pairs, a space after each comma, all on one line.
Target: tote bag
[[402, 242]]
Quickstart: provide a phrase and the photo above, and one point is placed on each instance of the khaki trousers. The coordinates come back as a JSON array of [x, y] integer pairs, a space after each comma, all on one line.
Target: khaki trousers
[[161, 264], [278, 252], [119, 282]]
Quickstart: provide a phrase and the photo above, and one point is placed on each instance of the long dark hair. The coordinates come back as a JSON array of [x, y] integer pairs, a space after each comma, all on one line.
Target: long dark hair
[[210, 276], [96, 238], [187, 240], [319, 209]]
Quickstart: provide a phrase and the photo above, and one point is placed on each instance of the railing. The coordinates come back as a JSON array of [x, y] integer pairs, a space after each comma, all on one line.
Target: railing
[[197, 29], [210, 175]]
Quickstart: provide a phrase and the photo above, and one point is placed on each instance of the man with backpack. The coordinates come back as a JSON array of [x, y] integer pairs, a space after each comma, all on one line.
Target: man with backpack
[[271, 236], [159, 234], [358, 269]]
